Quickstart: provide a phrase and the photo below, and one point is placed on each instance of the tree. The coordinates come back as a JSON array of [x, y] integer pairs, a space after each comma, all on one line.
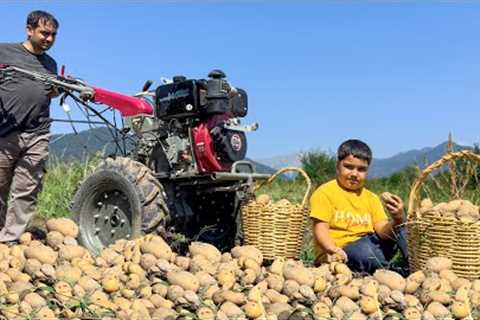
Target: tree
[[319, 166]]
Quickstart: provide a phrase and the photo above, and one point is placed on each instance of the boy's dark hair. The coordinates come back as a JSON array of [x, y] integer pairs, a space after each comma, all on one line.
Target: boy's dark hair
[[356, 148], [38, 16]]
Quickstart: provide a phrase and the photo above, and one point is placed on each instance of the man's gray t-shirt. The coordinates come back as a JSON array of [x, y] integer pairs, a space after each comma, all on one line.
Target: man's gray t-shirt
[[24, 102]]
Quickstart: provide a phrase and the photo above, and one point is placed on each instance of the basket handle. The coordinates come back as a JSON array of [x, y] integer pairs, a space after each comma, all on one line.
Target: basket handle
[[286, 169], [450, 156]]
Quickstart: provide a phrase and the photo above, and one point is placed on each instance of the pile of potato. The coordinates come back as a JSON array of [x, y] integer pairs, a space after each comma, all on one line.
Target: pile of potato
[[143, 279], [462, 210], [265, 199]]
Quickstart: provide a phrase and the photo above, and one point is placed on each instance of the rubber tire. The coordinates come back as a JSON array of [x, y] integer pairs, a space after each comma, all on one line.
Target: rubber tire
[[145, 195]]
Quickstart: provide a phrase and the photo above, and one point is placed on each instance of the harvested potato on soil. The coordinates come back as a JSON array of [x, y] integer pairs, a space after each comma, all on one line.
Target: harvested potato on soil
[[145, 279]]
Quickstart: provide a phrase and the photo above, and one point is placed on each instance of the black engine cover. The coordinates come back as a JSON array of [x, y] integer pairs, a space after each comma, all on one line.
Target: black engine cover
[[230, 145], [177, 99]]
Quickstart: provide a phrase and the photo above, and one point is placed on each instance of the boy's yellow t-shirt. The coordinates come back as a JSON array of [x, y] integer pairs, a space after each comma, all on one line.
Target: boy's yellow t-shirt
[[350, 215]]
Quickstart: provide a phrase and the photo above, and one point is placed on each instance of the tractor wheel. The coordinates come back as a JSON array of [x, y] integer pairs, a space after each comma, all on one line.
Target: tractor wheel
[[120, 200]]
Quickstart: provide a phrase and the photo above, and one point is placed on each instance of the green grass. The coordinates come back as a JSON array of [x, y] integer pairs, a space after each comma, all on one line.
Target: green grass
[[60, 183]]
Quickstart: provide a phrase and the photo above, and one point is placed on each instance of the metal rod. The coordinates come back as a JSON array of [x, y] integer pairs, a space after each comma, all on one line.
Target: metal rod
[[78, 121]]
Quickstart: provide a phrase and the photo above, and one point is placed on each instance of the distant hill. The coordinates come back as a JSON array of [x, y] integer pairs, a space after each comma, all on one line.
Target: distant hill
[[380, 167], [86, 143], [422, 157], [71, 146]]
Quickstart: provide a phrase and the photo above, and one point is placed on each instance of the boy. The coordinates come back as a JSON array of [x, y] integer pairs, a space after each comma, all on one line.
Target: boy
[[349, 221]]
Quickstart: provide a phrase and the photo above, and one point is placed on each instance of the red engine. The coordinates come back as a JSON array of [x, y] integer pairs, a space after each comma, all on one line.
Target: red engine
[[217, 146]]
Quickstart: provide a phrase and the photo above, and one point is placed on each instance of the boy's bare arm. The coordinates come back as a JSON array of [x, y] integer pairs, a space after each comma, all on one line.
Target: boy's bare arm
[[387, 229], [321, 232]]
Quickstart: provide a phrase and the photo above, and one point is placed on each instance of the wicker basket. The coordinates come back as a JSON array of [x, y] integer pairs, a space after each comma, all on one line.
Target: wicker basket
[[431, 234], [277, 230]]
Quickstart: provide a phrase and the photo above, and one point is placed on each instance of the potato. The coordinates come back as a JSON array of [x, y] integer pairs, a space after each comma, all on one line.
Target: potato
[[20, 286], [346, 305], [275, 282], [426, 204], [342, 279], [182, 262], [412, 314], [110, 284], [319, 285], [248, 252], [248, 263], [35, 300], [158, 247], [411, 286], [278, 308], [205, 279], [205, 313], [277, 266], [391, 279], [368, 305], [45, 314], [237, 298], [3, 288], [459, 282], [25, 238], [207, 250], [88, 284], [263, 199], [54, 239], [164, 314], [70, 241], [33, 267], [252, 309], [369, 288], [460, 310], [200, 263], [226, 257], [387, 196], [70, 252], [41, 253], [68, 274], [248, 277], [437, 264], [321, 310], [418, 276], [226, 278], [274, 296], [231, 310], [442, 297], [48, 270], [297, 272], [63, 225], [438, 310], [175, 292], [349, 291]]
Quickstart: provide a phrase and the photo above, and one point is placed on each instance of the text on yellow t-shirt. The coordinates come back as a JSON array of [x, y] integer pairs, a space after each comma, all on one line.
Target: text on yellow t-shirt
[[351, 215]]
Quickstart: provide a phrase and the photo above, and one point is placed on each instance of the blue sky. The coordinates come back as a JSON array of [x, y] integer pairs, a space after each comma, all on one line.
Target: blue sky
[[399, 75]]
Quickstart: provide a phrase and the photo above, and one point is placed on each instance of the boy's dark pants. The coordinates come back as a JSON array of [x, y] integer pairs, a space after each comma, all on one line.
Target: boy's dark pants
[[371, 252]]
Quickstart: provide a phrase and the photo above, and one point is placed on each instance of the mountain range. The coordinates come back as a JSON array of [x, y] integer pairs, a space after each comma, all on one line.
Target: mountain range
[[79, 146], [380, 167], [84, 144]]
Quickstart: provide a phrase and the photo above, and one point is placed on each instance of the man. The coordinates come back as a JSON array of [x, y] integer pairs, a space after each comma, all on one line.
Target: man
[[24, 124]]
